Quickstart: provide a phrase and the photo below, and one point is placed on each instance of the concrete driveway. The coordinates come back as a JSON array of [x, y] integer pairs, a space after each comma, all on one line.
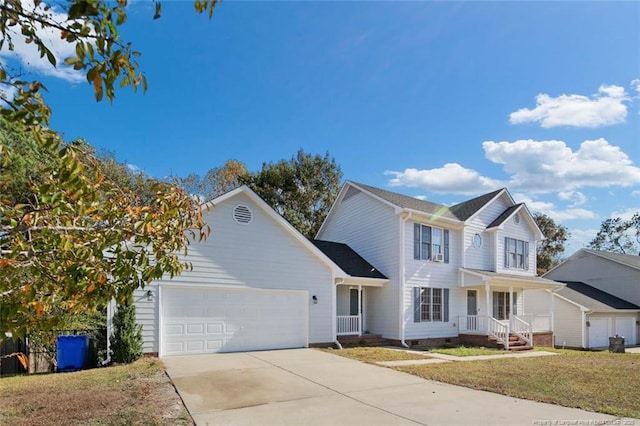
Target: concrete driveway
[[309, 387]]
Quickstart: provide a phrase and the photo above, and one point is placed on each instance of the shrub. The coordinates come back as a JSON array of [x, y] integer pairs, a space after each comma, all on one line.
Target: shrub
[[126, 340]]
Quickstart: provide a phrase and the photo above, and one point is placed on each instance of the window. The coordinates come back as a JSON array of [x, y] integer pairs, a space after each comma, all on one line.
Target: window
[[431, 304], [502, 309], [430, 243], [516, 254]]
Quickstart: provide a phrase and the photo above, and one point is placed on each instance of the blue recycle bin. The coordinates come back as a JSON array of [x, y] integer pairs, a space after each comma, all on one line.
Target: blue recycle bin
[[71, 352]]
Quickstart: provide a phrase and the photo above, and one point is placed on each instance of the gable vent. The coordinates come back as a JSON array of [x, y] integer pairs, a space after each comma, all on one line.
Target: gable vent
[[242, 214]]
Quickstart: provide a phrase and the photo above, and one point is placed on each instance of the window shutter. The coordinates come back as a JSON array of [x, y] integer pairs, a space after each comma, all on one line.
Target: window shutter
[[446, 246], [495, 304], [445, 305], [515, 304], [526, 255], [426, 241], [416, 241], [416, 304], [506, 252]]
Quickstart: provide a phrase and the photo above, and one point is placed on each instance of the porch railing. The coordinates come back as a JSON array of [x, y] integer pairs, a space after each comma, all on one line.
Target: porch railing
[[472, 324], [499, 330], [347, 325], [522, 329], [539, 322]]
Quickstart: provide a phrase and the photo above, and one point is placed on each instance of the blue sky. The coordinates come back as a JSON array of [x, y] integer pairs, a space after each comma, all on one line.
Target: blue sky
[[439, 100]]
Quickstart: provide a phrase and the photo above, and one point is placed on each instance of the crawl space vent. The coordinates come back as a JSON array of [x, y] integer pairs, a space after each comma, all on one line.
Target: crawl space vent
[[242, 214]]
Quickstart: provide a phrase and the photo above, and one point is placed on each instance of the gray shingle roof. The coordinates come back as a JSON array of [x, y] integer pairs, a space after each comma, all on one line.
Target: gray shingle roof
[[593, 298], [504, 216], [348, 260], [627, 259], [461, 211]]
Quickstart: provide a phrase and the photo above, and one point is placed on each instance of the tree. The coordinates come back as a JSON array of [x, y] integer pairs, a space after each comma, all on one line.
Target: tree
[[549, 250], [217, 181], [75, 235], [301, 189], [618, 235], [126, 339]]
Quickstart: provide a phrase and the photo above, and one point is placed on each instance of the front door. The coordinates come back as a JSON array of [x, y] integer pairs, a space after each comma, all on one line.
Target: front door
[[472, 310], [353, 302]]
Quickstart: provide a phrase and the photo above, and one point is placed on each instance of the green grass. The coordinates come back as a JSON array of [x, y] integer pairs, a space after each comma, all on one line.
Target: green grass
[[595, 381], [138, 393], [372, 355], [467, 351]]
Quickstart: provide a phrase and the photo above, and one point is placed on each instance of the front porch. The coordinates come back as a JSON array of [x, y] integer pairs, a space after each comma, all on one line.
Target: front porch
[[497, 311]]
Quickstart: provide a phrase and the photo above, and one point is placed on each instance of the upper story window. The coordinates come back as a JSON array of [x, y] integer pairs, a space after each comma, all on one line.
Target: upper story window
[[516, 254], [430, 243]]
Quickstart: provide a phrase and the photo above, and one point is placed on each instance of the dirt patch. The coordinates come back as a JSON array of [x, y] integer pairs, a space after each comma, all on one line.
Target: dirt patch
[[139, 393]]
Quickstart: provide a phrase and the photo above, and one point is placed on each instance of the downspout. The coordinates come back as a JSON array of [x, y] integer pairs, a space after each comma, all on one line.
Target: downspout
[[334, 311], [401, 279]]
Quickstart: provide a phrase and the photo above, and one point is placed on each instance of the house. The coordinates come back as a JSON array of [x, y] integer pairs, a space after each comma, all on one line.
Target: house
[[385, 264], [585, 317], [255, 283], [456, 273], [602, 299]]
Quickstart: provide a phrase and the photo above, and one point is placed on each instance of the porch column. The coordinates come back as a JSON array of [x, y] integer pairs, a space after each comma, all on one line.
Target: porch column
[[488, 298], [552, 308], [510, 302], [359, 310]]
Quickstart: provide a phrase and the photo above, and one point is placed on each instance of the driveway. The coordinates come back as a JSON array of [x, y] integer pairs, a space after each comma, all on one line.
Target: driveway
[[309, 387]]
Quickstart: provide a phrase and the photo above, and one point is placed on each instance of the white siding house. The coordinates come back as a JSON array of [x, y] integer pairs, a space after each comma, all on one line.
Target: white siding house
[[601, 300], [453, 271], [255, 283]]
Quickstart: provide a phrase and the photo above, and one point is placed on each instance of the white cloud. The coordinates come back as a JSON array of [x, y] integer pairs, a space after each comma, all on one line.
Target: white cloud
[[579, 238], [451, 178], [576, 198], [421, 197], [635, 84], [626, 214], [605, 108], [635, 193], [28, 55], [550, 166], [550, 209]]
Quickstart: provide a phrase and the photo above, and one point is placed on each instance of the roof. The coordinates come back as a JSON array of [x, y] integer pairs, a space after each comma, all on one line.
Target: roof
[[592, 298], [466, 209], [461, 211], [504, 216], [348, 260], [626, 259], [528, 279]]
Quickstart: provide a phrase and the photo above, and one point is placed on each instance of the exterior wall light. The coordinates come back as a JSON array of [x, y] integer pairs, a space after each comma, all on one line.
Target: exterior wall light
[[315, 299], [149, 295]]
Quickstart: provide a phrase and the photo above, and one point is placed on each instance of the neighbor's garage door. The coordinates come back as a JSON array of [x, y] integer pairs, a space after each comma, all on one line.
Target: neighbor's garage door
[[625, 327], [598, 332], [198, 321]]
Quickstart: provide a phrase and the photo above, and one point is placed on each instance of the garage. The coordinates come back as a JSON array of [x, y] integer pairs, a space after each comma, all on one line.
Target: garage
[[222, 319], [625, 327], [598, 332]]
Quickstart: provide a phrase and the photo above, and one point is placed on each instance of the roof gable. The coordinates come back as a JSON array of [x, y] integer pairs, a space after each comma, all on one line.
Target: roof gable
[[592, 298], [260, 203], [470, 208]]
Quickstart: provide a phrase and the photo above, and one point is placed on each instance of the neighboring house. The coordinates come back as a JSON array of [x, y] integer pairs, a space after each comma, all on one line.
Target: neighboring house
[[600, 301], [585, 317], [256, 283], [456, 273]]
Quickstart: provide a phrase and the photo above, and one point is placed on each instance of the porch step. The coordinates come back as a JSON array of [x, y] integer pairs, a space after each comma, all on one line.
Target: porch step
[[364, 340], [515, 343]]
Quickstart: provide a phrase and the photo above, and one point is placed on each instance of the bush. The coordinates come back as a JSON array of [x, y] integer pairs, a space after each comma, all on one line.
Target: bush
[[126, 340]]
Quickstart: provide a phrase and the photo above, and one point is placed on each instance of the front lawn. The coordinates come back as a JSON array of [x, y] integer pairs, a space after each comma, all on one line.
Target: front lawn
[[595, 381], [373, 354], [138, 394], [468, 351]]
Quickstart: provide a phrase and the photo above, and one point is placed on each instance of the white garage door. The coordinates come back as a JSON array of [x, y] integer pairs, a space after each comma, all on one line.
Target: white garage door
[[625, 328], [198, 321], [598, 332]]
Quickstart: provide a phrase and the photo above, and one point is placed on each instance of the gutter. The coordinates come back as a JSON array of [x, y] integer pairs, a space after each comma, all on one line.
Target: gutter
[[401, 279]]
